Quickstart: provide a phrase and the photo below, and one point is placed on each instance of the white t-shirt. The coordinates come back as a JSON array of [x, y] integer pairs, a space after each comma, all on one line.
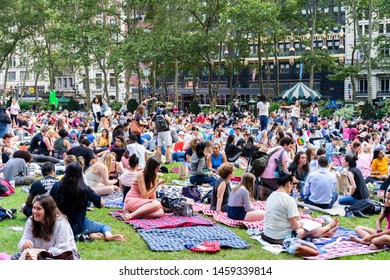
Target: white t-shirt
[[295, 112], [14, 108], [262, 108], [140, 151], [280, 208]]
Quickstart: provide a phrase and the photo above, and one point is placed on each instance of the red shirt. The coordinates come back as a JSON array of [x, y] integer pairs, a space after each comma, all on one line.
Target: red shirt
[[178, 146]]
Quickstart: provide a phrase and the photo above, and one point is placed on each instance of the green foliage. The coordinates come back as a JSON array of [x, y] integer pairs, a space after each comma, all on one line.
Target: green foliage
[[24, 105], [344, 112], [274, 106], [194, 107], [368, 112], [116, 106], [132, 105], [73, 105], [9, 101]]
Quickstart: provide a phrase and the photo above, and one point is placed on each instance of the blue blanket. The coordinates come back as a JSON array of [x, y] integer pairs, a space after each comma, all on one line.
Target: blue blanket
[[174, 239]]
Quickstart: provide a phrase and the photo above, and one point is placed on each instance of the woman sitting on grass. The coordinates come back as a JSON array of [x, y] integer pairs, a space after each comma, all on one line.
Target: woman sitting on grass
[[141, 199], [282, 217], [376, 238], [239, 205], [221, 190], [47, 229], [72, 196], [127, 178], [98, 175]]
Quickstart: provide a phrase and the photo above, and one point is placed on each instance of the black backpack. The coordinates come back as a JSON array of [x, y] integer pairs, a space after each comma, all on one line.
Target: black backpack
[[364, 207], [259, 161], [161, 123]]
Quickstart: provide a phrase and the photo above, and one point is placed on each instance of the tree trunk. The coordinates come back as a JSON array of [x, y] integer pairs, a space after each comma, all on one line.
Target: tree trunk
[[139, 86], [268, 76], [175, 90], [117, 86], [127, 84], [276, 66], [36, 85], [194, 79], [154, 85], [210, 89], [260, 68], [87, 87]]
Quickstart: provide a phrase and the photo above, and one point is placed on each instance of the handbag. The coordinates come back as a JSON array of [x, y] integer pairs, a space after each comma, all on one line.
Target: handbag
[[108, 112], [45, 255], [192, 192], [183, 208], [183, 172], [136, 128]]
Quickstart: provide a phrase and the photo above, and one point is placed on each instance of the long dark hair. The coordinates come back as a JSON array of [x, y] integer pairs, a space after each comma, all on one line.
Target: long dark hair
[[229, 140], [72, 191], [199, 150], [351, 160], [150, 171], [296, 161], [263, 98], [376, 153], [386, 210], [45, 230]]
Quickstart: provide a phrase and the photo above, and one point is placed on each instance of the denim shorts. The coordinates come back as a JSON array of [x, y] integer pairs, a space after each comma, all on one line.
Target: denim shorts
[[236, 213]]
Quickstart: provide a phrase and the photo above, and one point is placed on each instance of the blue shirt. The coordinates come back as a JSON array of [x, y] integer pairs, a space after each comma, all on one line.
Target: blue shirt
[[319, 186]]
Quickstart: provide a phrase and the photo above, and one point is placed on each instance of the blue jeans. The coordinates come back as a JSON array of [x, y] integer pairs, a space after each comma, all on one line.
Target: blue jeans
[[323, 206], [178, 156], [263, 122], [92, 227], [347, 200], [199, 179]]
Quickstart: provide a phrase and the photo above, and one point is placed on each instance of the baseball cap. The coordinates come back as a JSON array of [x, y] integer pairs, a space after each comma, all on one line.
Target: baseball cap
[[181, 133]]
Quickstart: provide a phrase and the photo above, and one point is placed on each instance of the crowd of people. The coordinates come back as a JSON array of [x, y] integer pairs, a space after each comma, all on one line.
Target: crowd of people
[[106, 151]]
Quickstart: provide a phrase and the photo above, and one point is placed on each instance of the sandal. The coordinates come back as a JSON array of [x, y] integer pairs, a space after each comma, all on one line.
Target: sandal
[[205, 247]]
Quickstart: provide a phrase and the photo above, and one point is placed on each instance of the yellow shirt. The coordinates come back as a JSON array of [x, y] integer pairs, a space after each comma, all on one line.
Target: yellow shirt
[[103, 142], [380, 165]]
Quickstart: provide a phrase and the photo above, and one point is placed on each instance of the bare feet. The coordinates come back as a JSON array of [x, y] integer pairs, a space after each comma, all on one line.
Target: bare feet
[[375, 247], [96, 235], [125, 216], [116, 237], [333, 227]]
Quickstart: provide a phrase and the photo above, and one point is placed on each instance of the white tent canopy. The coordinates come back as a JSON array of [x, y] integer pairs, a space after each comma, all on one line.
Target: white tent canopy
[[300, 91]]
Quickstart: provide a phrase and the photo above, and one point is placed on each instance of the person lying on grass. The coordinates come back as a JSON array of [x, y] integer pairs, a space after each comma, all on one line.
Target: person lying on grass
[[282, 217], [72, 196], [376, 238]]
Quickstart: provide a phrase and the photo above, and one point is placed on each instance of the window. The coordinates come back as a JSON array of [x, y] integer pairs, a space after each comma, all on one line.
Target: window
[[13, 61], [385, 51], [65, 82], [112, 80], [284, 68], [297, 46], [11, 76], [362, 85], [384, 84], [71, 82], [381, 28], [281, 47], [22, 75], [98, 80], [59, 81]]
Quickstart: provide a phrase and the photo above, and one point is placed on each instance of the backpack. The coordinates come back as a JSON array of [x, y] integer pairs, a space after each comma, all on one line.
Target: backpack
[[259, 161], [192, 192], [364, 207], [161, 123], [6, 188]]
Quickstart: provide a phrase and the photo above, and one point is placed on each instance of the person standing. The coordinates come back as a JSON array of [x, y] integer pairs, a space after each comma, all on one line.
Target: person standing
[[162, 122], [97, 113], [295, 113], [262, 111], [14, 109]]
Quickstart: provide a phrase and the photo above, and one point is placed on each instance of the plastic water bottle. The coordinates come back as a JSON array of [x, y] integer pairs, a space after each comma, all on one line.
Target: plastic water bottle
[[295, 194]]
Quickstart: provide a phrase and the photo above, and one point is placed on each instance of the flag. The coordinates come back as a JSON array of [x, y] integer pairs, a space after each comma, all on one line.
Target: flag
[[254, 75], [300, 70]]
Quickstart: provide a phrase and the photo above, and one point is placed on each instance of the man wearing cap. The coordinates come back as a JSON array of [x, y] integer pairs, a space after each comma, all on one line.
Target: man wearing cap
[[36, 139]]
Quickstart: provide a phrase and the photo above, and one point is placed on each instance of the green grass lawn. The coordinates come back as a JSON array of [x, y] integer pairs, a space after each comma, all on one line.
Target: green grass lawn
[[136, 248]]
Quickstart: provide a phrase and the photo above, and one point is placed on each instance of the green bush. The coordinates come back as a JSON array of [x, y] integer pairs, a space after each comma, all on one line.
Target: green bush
[[73, 105], [25, 105], [346, 112], [194, 107], [116, 106], [274, 107], [132, 105], [368, 112]]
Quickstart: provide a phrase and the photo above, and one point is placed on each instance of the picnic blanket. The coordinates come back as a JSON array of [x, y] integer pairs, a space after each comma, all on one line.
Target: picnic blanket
[[113, 200], [224, 219], [337, 246], [174, 239], [337, 209], [166, 221]]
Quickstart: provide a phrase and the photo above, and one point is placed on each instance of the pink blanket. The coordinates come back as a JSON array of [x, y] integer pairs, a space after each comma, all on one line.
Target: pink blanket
[[223, 218], [166, 221]]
